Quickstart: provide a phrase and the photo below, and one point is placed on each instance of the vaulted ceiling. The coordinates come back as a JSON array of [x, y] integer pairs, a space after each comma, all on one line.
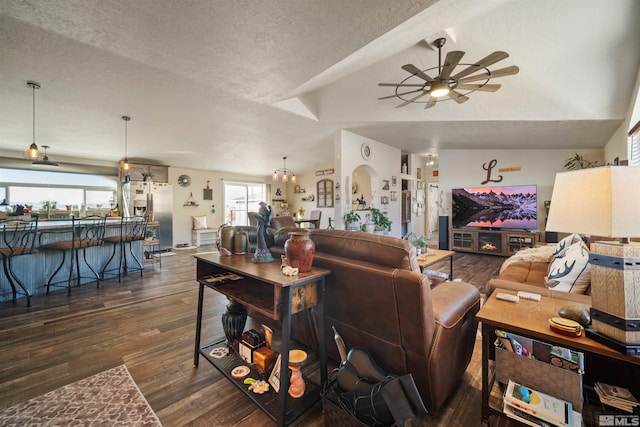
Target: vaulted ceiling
[[234, 85]]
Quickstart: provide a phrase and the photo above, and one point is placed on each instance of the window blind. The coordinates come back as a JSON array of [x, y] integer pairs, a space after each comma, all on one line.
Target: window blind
[[634, 145]]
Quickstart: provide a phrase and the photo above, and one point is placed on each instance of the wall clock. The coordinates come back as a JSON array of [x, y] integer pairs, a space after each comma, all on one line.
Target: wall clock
[[184, 180], [365, 150]]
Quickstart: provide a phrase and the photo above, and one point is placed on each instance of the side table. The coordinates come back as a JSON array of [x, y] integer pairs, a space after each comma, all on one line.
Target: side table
[[264, 289], [530, 319]]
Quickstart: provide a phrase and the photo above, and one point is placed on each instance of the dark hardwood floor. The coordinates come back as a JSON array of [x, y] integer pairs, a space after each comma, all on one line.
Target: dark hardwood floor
[[149, 324]]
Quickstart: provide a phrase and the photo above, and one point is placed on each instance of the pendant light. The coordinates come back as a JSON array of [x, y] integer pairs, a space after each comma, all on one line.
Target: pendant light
[[45, 160], [125, 166], [283, 173], [33, 153]]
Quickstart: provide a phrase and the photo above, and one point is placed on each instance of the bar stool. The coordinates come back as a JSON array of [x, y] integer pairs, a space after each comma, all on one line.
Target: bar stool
[[18, 238], [132, 232], [82, 234]]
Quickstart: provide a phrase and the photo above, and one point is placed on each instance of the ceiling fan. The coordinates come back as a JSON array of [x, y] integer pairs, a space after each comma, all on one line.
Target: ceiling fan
[[420, 84]]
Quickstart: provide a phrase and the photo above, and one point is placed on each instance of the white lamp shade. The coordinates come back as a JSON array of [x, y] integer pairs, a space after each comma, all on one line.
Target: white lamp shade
[[603, 201]]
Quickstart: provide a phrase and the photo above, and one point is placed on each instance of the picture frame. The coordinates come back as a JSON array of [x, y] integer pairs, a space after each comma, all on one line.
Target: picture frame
[[385, 184], [394, 181], [394, 196], [274, 377]]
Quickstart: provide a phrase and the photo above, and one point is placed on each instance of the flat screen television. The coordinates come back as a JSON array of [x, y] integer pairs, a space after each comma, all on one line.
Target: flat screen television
[[498, 207]]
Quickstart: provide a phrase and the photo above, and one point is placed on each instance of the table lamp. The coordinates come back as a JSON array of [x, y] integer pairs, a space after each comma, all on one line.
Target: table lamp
[[605, 202]]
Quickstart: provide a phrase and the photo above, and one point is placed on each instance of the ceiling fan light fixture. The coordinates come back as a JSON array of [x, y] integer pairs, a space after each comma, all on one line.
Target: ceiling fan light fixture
[[439, 89]]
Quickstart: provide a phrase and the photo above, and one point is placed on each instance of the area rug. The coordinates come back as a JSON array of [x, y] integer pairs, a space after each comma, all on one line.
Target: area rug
[[110, 398]]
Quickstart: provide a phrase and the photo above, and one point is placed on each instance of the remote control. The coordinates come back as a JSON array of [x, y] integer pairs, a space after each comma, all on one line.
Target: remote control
[[507, 297], [529, 295]]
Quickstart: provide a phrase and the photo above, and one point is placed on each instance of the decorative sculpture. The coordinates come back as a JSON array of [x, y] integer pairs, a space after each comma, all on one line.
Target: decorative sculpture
[[263, 216]]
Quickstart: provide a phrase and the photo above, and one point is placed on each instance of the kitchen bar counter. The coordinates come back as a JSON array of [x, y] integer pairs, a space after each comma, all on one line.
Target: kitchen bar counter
[[34, 270]]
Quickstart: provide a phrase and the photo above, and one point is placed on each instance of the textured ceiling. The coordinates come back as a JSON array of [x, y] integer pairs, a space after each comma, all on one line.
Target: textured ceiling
[[202, 79]]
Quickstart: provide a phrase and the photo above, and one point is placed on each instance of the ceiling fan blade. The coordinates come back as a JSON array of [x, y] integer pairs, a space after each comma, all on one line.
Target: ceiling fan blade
[[432, 101], [400, 94], [410, 68], [402, 84], [412, 99], [458, 97], [507, 71], [450, 62], [484, 88], [484, 62]]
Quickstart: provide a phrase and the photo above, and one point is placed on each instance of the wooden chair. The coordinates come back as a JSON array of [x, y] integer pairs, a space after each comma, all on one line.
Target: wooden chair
[[18, 238], [313, 221]]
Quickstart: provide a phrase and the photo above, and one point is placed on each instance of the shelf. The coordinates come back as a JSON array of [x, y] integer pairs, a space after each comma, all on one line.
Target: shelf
[[151, 246], [250, 293], [268, 401]]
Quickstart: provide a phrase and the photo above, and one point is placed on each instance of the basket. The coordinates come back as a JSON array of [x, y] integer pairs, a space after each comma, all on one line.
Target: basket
[[334, 413], [541, 376]]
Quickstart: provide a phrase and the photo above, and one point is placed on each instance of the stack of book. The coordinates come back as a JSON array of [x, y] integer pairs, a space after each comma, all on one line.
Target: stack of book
[[537, 409], [617, 397]]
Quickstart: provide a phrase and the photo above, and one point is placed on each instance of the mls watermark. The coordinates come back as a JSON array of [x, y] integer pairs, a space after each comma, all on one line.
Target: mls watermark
[[619, 420]]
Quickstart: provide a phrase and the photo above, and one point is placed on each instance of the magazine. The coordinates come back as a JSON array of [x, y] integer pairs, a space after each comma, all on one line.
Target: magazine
[[543, 406], [618, 397]]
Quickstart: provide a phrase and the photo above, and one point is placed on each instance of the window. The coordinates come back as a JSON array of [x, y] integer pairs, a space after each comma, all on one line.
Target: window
[[634, 145], [240, 199], [46, 191]]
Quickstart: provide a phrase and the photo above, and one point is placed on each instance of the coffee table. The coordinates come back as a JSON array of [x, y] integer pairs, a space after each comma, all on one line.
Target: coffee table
[[439, 255]]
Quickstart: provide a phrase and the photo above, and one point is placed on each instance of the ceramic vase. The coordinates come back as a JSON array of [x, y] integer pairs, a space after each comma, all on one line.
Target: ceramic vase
[[296, 385], [299, 250], [233, 321]]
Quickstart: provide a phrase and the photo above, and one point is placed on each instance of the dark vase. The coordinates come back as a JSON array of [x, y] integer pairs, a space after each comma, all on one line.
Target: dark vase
[[299, 250], [233, 321]]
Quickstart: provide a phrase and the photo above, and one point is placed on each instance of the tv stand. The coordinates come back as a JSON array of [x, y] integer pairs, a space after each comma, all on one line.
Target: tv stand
[[493, 242]]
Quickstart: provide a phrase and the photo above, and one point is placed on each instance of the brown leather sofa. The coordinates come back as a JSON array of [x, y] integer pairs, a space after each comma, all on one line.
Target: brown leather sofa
[[377, 298], [529, 276]]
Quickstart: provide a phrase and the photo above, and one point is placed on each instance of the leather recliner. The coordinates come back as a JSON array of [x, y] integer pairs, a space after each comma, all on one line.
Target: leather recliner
[[377, 298]]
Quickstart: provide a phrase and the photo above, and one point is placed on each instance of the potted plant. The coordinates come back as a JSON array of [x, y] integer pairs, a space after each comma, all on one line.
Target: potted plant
[[578, 162], [380, 221], [421, 245], [147, 175], [352, 219]]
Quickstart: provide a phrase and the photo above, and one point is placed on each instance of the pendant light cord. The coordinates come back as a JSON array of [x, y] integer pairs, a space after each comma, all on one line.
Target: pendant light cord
[[34, 113]]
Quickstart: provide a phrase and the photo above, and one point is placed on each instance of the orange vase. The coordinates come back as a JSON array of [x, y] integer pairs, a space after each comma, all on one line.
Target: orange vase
[[299, 250]]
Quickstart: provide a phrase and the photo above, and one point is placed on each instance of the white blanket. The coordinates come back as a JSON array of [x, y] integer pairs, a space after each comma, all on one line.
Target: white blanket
[[537, 254]]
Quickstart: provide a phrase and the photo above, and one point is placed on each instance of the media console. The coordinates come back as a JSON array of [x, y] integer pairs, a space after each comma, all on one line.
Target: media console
[[492, 242]]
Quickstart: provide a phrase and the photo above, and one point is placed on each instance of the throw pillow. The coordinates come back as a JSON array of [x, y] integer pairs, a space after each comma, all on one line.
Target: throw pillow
[[564, 244], [199, 222], [572, 271]]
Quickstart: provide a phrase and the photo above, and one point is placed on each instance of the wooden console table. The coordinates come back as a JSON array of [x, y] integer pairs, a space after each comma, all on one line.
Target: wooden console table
[[530, 319], [263, 288]]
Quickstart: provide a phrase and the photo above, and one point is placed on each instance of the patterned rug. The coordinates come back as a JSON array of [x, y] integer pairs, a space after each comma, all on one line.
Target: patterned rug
[[110, 398]]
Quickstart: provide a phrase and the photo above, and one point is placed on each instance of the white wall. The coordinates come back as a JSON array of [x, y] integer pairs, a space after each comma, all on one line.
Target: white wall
[[618, 144], [464, 168], [383, 164], [309, 182], [182, 222]]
